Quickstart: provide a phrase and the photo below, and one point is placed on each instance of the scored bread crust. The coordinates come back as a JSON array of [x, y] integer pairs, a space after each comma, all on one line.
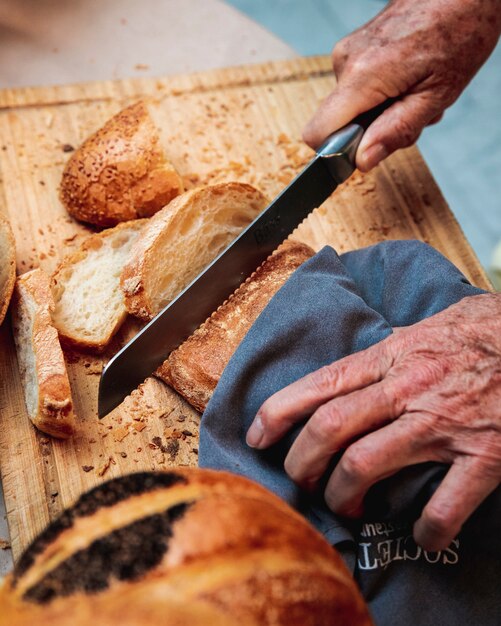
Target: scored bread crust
[[60, 279], [194, 369], [40, 358], [8, 265], [147, 535], [182, 239], [120, 173]]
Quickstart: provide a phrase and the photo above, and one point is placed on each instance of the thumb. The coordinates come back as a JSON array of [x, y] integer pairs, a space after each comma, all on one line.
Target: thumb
[[339, 108], [397, 127]]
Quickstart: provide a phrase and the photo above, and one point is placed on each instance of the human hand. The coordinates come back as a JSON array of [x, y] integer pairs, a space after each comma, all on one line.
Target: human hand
[[429, 392], [422, 53]]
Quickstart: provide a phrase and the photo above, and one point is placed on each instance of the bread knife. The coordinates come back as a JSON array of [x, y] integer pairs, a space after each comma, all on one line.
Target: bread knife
[[333, 163]]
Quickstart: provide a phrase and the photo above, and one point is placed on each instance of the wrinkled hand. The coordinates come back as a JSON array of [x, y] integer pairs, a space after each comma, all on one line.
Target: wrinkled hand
[[429, 392], [424, 53]]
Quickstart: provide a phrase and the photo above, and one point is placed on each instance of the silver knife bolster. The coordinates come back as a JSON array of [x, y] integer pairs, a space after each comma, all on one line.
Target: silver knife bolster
[[339, 151]]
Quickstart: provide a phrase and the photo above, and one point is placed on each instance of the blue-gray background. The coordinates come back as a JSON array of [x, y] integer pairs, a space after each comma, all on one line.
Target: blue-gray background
[[463, 151]]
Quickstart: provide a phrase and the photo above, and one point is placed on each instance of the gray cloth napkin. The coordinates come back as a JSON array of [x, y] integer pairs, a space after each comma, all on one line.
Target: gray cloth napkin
[[330, 307]]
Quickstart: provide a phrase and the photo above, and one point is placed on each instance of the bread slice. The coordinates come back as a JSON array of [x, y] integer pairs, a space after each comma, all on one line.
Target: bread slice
[[89, 306], [194, 369], [7, 265], [182, 239], [40, 358], [120, 173]]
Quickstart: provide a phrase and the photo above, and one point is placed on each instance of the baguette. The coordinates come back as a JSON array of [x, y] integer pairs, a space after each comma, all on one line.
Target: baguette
[[182, 239], [194, 369], [40, 358], [189, 537], [7, 265], [89, 306], [120, 173]]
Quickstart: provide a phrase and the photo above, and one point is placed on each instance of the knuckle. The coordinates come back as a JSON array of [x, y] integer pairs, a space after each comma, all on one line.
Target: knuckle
[[406, 131], [439, 518], [340, 56], [323, 379], [325, 422], [355, 463]]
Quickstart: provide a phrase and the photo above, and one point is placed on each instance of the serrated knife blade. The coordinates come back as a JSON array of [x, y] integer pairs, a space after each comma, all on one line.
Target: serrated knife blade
[[333, 163]]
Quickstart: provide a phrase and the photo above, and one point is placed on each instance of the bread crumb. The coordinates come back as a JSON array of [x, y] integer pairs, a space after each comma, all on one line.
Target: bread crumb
[[4, 544], [120, 433], [172, 433], [103, 468], [87, 468]]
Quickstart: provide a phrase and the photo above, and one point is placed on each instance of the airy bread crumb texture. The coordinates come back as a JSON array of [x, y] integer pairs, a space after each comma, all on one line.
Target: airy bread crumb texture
[[120, 173], [40, 358], [182, 239], [89, 306], [7, 265]]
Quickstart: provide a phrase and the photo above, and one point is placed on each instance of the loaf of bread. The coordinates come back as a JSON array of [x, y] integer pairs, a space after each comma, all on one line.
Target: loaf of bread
[[7, 265], [120, 173], [89, 305], [182, 239], [180, 548], [194, 369], [40, 358]]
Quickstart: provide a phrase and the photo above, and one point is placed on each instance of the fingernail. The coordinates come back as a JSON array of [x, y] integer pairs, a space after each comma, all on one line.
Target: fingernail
[[372, 156], [255, 433]]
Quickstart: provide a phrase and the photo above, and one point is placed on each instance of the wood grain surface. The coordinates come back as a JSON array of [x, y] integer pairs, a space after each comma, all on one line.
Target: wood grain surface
[[233, 124]]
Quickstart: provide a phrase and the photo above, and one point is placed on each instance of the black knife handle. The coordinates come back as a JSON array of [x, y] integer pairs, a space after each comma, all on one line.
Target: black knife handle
[[340, 148], [365, 119]]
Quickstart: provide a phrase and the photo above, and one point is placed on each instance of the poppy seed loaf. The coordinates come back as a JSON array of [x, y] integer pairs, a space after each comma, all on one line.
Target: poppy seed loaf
[[211, 542]]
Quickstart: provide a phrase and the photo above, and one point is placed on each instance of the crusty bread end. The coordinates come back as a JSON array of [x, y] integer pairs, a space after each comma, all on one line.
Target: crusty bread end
[[41, 361], [120, 173], [194, 369], [7, 265]]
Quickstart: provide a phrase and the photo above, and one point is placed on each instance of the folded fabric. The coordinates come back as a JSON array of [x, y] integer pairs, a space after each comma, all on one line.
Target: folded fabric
[[330, 307]]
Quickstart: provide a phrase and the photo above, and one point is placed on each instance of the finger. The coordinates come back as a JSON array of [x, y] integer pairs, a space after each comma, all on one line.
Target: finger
[[349, 99], [303, 397], [463, 489], [374, 457], [397, 127], [436, 119], [336, 424]]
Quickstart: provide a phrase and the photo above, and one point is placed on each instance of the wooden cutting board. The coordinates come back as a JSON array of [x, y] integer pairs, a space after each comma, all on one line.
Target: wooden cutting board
[[233, 124]]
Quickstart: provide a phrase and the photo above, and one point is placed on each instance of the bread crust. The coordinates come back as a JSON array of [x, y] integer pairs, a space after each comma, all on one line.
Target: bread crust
[[194, 369], [53, 412], [161, 238], [93, 242], [120, 173], [187, 536], [8, 270]]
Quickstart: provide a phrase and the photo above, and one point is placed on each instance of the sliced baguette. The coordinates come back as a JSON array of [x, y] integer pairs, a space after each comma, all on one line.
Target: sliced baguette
[[40, 358], [7, 265], [194, 369], [89, 306], [182, 239], [120, 173]]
